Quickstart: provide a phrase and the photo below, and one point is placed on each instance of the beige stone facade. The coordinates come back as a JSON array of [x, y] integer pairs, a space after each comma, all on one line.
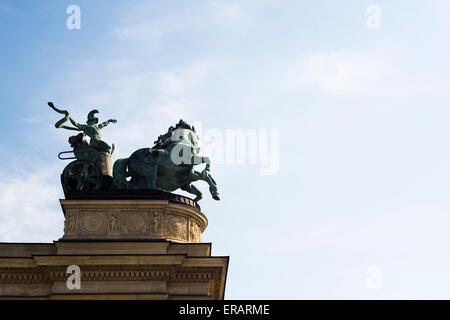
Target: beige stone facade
[[125, 249], [132, 219]]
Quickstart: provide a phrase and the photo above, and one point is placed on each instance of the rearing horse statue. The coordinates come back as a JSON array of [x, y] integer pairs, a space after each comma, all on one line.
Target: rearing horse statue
[[169, 165]]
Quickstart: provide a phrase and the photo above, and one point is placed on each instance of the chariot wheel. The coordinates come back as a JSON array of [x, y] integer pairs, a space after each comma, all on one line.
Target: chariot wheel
[[82, 175]]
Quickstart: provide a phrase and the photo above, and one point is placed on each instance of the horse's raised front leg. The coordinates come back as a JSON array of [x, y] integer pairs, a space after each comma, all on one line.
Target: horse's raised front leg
[[206, 176], [192, 189]]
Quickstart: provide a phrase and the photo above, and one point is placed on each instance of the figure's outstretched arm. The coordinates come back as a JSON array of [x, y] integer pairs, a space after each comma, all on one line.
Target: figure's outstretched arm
[[76, 124], [104, 124], [60, 124]]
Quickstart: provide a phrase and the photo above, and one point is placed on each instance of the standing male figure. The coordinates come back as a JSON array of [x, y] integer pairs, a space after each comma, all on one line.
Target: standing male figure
[[91, 129]]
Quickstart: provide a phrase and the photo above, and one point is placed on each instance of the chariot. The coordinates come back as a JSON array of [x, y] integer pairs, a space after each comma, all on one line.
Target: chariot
[[90, 170]]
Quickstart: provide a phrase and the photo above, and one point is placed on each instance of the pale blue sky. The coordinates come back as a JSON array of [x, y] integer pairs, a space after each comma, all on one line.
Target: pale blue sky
[[363, 120]]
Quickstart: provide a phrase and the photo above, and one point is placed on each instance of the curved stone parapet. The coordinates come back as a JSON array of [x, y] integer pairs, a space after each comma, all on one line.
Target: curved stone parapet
[[132, 219], [131, 195]]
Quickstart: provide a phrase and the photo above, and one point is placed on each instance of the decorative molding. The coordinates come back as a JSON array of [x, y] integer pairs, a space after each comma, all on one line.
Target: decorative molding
[[31, 276]]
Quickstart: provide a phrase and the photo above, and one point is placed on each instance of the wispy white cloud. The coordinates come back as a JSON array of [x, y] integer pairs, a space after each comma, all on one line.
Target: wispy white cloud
[[365, 72], [341, 72], [203, 16], [29, 206], [153, 30], [229, 10]]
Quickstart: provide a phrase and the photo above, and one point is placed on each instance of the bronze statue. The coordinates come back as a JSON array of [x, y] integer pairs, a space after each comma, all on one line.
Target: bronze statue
[[91, 169], [91, 129], [167, 166]]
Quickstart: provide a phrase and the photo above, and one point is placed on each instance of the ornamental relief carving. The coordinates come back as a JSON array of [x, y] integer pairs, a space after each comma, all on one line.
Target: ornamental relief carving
[[195, 235], [70, 222], [92, 221], [113, 222], [155, 224], [131, 223], [123, 222], [175, 227]]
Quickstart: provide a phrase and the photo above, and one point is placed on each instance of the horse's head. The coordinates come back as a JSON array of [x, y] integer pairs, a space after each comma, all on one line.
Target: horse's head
[[194, 141], [186, 137], [181, 134]]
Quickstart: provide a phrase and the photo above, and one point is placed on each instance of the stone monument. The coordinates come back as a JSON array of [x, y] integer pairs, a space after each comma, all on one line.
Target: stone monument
[[126, 235]]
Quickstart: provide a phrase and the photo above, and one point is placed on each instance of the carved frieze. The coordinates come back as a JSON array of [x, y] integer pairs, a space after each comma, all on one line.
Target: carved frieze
[[115, 222], [92, 222], [133, 222], [195, 235], [71, 222], [175, 226], [155, 225]]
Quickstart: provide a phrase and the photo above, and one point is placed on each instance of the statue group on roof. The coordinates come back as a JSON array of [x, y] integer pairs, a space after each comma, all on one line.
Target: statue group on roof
[[167, 166]]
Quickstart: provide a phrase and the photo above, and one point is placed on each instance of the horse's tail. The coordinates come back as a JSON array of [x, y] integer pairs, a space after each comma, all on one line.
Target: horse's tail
[[120, 174]]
